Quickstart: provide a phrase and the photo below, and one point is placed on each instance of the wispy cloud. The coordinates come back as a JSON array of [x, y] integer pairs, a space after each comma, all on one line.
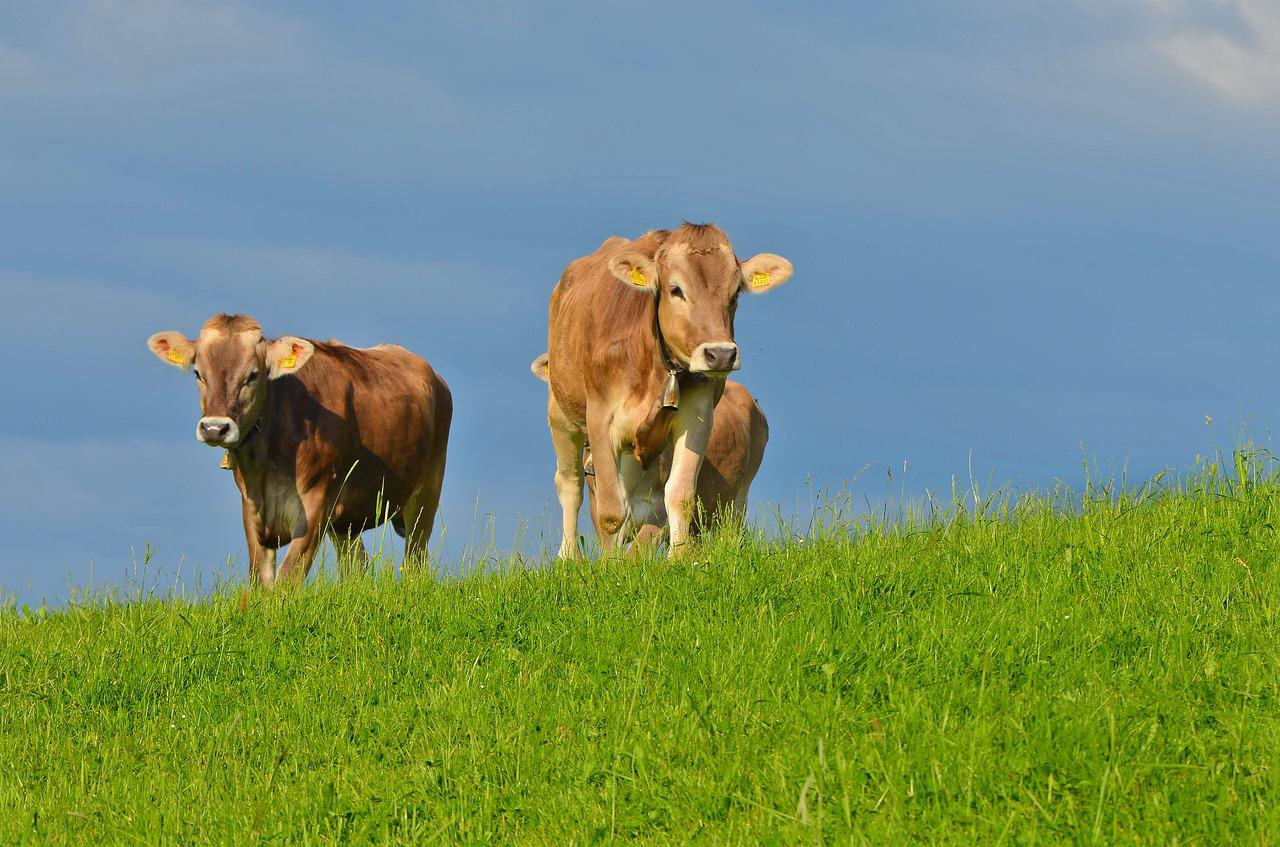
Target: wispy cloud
[[1240, 63]]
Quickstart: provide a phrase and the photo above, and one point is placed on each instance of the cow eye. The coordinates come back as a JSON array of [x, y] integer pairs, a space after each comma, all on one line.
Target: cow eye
[[677, 292], [196, 372], [253, 375]]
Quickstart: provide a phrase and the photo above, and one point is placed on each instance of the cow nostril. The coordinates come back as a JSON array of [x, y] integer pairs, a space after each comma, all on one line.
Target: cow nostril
[[721, 357], [215, 430]]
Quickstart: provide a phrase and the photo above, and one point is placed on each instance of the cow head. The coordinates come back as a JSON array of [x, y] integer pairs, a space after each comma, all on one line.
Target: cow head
[[697, 278], [233, 364]]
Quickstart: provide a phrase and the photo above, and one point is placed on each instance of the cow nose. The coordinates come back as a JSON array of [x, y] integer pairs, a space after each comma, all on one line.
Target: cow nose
[[214, 429], [721, 357]]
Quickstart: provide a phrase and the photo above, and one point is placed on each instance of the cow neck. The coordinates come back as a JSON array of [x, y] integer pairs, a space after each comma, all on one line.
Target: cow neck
[[249, 459], [248, 446], [650, 436], [670, 396]]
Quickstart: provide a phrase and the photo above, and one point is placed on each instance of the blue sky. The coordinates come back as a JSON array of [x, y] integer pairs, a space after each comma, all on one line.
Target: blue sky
[[1017, 229]]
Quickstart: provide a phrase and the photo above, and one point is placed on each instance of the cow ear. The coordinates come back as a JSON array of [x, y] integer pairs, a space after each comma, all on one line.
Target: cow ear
[[635, 269], [287, 355], [764, 271], [541, 367], [173, 348]]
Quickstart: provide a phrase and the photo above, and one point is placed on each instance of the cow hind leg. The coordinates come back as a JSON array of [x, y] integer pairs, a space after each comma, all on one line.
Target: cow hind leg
[[740, 509], [648, 538], [353, 558], [568, 439], [419, 515]]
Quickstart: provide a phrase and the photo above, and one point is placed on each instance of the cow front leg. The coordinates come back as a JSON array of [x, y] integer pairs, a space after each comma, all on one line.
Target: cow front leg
[[306, 539], [297, 562], [610, 503], [692, 432], [262, 565], [262, 559]]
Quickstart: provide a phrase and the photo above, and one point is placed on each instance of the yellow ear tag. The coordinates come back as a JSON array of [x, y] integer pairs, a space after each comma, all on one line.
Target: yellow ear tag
[[637, 278], [759, 280], [176, 358], [289, 362]]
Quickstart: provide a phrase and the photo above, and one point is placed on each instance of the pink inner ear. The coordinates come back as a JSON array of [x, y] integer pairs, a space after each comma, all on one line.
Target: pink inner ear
[[163, 345]]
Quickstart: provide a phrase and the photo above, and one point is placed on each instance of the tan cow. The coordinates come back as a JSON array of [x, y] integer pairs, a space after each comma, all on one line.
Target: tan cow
[[739, 434], [322, 436], [640, 341]]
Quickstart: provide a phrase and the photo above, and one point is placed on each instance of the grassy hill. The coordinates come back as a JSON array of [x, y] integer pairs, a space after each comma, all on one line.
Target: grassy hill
[[1051, 669]]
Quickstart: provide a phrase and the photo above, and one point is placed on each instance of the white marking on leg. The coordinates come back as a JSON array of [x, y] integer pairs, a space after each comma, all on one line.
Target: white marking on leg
[[266, 566], [692, 432]]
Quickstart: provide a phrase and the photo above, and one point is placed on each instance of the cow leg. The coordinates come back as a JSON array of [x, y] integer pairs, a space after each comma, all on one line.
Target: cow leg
[[590, 475], [306, 542], [739, 509], [421, 514], [262, 564], [646, 512], [692, 432], [611, 505], [353, 558], [262, 560], [705, 515], [567, 438], [647, 515], [297, 562], [647, 538]]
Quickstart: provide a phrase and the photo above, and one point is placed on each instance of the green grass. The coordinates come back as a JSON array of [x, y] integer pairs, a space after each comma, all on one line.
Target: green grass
[[1100, 669]]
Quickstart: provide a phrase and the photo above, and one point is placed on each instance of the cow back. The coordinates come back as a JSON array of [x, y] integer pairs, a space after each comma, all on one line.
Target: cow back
[[372, 416]]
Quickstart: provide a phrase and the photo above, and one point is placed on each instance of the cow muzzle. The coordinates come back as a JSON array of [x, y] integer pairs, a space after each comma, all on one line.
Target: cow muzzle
[[715, 359], [218, 432]]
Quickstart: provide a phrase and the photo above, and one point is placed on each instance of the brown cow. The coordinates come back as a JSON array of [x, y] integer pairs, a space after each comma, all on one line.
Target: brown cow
[[640, 341], [739, 434], [321, 436]]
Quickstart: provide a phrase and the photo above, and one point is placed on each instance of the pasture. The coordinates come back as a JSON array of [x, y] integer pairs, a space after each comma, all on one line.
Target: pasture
[[1058, 668]]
